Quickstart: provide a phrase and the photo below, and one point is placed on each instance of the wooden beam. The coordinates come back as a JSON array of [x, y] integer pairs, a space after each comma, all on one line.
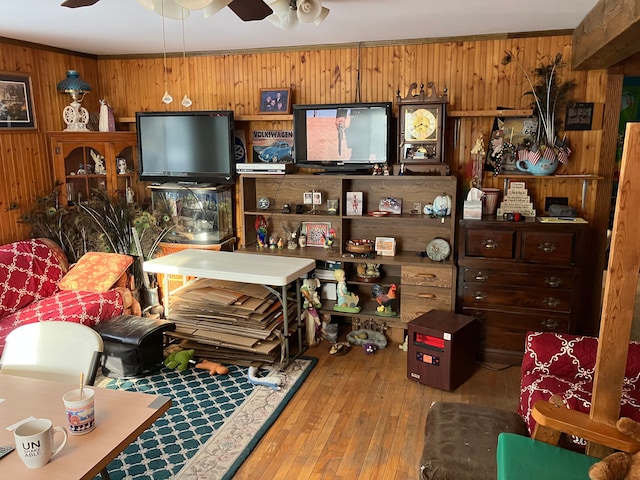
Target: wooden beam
[[607, 35], [620, 287]]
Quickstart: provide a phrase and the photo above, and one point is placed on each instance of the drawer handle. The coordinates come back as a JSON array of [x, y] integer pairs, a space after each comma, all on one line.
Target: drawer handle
[[550, 324], [480, 296], [480, 277], [547, 247], [430, 276], [552, 302], [553, 282], [426, 295], [490, 244]]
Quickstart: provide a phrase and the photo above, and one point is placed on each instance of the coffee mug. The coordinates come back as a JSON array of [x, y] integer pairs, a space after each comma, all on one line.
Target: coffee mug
[[79, 405], [35, 442]]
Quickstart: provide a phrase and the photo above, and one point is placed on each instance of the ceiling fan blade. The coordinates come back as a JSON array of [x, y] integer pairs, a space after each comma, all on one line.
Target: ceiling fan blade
[[78, 3], [249, 10]]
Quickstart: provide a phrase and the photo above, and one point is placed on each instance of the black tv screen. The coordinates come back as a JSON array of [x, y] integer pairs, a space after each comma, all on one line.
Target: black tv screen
[[348, 135], [186, 146]]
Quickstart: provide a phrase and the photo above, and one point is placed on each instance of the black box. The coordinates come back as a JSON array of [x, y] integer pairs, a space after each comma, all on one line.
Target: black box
[[133, 346], [442, 349]]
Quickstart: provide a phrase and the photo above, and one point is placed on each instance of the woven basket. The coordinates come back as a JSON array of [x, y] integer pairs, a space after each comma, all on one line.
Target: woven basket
[[377, 338]]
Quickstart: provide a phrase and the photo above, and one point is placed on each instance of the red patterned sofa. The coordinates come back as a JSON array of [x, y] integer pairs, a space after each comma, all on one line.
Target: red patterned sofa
[[564, 365], [31, 273]]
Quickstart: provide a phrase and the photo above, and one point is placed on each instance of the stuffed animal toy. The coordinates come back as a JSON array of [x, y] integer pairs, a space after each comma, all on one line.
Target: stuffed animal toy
[[620, 465], [214, 368], [179, 360], [308, 291]]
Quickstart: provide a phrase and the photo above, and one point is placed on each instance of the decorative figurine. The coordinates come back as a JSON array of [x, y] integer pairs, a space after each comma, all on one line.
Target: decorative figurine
[[122, 165], [347, 301], [98, 160], [309, 291], [261, 231], [329, 239], [302, 240], [272, 242], [385, 299], [292, 236]]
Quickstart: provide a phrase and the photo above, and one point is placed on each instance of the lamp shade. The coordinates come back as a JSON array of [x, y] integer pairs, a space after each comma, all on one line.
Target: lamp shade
[[73, 83]]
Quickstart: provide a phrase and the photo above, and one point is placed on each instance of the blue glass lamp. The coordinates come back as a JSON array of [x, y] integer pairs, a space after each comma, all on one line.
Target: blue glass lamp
[[75, 116]]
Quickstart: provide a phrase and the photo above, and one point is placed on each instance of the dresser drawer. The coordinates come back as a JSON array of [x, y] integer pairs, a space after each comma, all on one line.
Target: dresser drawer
[[417, 300], [546, 247], [516, 297], [507, 330], [489, 276], [488, 243], [427, 276]]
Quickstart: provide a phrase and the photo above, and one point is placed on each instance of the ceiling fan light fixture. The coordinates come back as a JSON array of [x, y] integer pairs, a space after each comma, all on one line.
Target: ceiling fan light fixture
[[170, 9], [214, 7], [320, 18], [309, 10], [193, 4]]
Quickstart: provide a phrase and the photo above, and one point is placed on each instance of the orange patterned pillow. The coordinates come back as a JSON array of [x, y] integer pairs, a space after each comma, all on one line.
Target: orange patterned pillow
[[95, 272]]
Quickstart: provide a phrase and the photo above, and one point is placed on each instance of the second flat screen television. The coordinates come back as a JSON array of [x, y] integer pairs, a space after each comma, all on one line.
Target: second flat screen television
[[342, 136]]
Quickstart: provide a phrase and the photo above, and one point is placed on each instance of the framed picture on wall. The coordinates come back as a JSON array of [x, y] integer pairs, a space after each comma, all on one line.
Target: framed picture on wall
[[275, 100], [16, 102], [316, 232]]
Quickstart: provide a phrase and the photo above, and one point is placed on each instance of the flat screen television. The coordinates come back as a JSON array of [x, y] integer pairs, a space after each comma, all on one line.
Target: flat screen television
[[346, 136], [193, 147]]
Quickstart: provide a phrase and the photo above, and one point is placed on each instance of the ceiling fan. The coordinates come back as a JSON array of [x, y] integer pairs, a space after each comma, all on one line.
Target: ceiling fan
[[247, 10]]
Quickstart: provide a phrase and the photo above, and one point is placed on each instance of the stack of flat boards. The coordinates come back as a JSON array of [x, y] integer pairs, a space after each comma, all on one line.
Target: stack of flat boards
[[229, 322]]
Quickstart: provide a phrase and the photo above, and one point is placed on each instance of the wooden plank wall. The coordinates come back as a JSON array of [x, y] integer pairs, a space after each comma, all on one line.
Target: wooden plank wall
[[469, 69], [25, 162]]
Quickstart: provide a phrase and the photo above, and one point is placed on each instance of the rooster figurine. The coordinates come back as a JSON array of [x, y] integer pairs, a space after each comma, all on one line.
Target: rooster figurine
[[385, 299]]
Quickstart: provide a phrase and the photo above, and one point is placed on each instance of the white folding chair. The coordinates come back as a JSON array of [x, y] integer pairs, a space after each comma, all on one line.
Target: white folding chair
[[54, 350]]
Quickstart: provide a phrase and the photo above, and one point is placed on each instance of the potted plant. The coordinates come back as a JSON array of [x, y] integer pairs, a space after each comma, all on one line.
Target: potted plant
[[550, 96]]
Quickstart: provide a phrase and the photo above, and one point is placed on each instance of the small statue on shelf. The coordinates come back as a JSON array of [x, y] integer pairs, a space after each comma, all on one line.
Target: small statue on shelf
[[261, 231], [385, 299], [292, 236], [98, 160], [347, 301]]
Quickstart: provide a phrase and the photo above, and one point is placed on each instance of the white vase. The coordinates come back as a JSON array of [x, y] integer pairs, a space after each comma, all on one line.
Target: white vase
[[103, 124]]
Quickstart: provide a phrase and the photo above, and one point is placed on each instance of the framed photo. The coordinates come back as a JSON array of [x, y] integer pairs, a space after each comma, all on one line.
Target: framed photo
[[584, 116], [354, 203], [16, 102], [386, 246], [274, 100], [316, 232]]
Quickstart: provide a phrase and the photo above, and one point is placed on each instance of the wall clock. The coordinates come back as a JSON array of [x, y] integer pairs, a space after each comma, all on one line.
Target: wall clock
[[438, 249], [421, 118]]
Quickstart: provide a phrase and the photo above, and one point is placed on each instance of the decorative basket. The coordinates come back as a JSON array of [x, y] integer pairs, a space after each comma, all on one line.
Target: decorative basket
[[377, 338], [363, 245]]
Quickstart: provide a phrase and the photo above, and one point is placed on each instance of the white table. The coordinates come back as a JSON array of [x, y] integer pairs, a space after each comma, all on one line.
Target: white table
[[120, 418], [266, 270]]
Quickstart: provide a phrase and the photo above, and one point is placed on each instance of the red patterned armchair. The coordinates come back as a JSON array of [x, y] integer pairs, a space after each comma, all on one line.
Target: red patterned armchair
[[564, 365], [36, 285]]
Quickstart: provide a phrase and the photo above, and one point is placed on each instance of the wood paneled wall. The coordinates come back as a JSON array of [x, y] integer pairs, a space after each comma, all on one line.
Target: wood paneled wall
[[25, 162]]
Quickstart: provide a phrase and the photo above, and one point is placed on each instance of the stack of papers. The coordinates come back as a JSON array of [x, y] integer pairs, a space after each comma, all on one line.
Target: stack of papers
[[562, 220]]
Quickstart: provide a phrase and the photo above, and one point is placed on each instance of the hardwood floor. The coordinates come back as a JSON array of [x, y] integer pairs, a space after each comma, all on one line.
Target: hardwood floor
[[357, 416]]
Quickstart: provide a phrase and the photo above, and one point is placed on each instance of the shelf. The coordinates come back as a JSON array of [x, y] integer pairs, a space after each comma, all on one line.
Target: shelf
[[276, 117], [490, 113]]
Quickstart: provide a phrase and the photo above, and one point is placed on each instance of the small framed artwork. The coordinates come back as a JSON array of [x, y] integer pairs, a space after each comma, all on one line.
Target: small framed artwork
[[308, 198], [316, 232], [275, 100], [354, 203], [317, 198], [386, 246], [391, 205], [16, 102], [417, 208], [584, 116], [332, 206]]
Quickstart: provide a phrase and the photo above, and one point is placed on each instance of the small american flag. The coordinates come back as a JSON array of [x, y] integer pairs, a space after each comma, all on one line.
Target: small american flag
[[563, 155], [534, 157]]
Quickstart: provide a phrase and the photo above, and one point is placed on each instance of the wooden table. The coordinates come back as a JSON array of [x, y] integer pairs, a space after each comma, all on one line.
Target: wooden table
[[120, 418], [239, 267]]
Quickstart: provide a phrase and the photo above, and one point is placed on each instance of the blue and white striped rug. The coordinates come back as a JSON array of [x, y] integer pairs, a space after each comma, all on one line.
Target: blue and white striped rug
[[212, 426]]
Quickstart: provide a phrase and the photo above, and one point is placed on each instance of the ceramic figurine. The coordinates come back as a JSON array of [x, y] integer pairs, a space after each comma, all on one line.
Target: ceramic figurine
[[347, 301]]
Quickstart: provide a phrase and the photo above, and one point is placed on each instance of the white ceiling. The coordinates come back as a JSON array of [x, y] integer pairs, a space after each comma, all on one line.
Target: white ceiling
[[124, 27]]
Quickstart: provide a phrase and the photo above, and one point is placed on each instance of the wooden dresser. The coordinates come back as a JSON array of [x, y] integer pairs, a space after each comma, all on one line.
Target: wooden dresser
[[514, 277]]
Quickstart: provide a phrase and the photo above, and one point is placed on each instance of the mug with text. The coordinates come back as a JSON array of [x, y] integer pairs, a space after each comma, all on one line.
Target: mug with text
[[35, 442], [79, 405]]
